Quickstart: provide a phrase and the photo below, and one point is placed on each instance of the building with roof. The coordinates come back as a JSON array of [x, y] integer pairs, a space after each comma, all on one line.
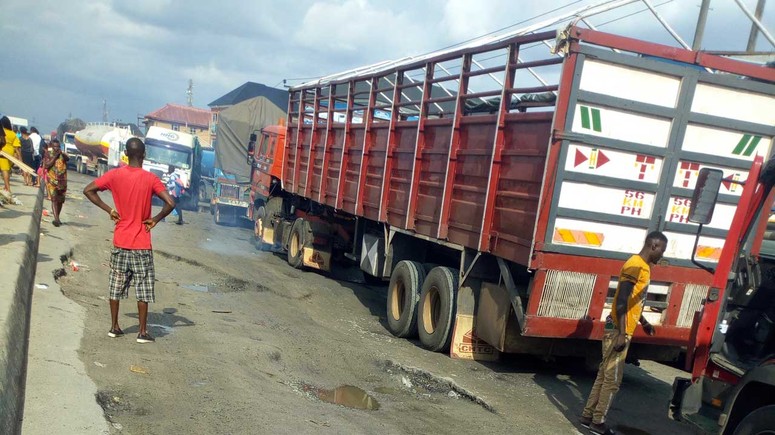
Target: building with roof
[[178, 117], [278, 97]]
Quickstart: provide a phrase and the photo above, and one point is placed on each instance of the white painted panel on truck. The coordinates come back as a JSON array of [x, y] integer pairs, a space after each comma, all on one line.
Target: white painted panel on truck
[[678, 211], [615, 124], [725, 143], [629, 83], [686, 177], [595, 235], [608, 200], [734, 104], [681, 246], [614, 164]]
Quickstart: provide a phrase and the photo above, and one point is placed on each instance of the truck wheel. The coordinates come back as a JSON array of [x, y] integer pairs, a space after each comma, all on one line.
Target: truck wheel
[[296, 244], [436, 308], [406, 281], [761, 421], [258, 229], [82, 169]]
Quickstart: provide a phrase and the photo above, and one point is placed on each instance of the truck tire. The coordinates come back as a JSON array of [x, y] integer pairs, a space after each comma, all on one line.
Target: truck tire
[[259, 224], [82, 169], [296, 242], [761, 421], [436, 308], [406, 281]]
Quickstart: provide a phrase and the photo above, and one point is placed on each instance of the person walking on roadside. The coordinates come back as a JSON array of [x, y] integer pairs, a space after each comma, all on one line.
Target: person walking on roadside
[[37, 141], [626, 312], [27, 154], [175, 189], [12, 145], [131, 260], [56, 179]]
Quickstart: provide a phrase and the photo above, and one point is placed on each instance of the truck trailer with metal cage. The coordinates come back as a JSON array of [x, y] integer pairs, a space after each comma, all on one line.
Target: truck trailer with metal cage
[[501, 205]]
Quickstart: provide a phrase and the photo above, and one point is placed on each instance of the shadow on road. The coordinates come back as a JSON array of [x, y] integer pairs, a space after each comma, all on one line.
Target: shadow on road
[[160, 324]]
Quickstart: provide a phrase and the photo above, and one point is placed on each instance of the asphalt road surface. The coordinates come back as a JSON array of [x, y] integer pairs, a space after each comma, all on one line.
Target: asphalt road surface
[[246, 345]]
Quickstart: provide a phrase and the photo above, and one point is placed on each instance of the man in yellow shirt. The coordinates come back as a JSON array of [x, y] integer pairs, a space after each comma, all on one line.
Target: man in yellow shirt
[[627, 311]]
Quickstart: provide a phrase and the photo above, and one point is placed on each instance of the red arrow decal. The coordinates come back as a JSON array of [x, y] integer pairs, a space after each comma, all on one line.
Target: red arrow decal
[[601, 159], [580, 158], [726, 184]]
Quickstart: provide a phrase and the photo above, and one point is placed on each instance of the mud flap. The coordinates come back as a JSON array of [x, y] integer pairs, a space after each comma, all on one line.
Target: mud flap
[[316, 259], [686, 400], [465, 343]]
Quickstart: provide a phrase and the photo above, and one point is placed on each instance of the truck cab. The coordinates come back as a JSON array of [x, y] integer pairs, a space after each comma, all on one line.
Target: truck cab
[[68, 146], [165, 148], [732, 390]]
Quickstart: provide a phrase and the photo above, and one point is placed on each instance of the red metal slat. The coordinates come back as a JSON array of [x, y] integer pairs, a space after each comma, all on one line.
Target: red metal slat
[[327, 146], [347, 138], [391, 147], [418, 149], [674, 53], [289, 123], [497, 149], [368, 141], [298, 144], [313, 138], [551, 327], [454, 146]]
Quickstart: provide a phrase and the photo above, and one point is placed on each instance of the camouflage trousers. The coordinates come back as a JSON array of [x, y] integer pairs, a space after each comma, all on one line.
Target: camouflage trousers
[[609, 377]]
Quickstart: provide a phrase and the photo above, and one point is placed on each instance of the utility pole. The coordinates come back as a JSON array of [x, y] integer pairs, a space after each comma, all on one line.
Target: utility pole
[[104, 110], [190, 92]]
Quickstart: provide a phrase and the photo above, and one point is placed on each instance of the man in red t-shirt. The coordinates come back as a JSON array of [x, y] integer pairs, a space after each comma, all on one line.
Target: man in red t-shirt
[[131, 260]]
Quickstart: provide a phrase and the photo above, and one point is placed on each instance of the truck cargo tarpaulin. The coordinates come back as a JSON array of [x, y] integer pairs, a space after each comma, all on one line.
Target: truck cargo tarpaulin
[[234, 127]]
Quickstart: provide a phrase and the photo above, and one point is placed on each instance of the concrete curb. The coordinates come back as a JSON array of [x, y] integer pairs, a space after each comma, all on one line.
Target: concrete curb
[[19, 238]]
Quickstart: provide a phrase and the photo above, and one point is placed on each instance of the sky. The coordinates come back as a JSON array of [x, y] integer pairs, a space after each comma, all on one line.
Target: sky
[[62, 59]]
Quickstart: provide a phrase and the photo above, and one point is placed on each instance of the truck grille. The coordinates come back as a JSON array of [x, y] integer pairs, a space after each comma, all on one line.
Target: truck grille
[[157, 173], [230, 191], [566, 295], [691, 303]]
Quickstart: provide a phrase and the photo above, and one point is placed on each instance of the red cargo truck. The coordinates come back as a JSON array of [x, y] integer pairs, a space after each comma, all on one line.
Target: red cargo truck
[[501, 205]]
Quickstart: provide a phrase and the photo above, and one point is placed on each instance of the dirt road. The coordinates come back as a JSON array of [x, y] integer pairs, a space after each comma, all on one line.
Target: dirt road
[[248, 345]]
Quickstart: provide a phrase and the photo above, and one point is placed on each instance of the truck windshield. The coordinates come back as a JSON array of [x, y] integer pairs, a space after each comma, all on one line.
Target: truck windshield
[[167, 156]]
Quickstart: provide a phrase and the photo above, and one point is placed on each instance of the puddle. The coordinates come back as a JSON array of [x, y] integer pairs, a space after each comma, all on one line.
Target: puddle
[[197, 287], [346, 395]]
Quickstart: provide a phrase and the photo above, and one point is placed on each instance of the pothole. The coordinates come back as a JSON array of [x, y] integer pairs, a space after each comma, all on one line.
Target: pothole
[[414, 378], [222, 283], [348, 396]]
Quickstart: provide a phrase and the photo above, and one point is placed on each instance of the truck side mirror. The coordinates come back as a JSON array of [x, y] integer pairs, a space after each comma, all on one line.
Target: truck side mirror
[[705, 195], [251, 148]]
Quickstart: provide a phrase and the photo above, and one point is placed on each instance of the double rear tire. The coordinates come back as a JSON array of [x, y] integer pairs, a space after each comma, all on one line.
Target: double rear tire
[[436, 308], [406, 281]]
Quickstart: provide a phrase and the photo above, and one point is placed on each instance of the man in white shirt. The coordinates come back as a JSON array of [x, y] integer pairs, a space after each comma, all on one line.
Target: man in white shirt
[[35, 137]]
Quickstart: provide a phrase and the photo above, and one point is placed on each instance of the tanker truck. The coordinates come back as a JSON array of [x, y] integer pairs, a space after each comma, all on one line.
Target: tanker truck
[[101, 145]]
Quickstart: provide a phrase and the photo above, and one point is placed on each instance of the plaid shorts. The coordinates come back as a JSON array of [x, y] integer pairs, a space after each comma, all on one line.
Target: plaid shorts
[[129, 266]]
